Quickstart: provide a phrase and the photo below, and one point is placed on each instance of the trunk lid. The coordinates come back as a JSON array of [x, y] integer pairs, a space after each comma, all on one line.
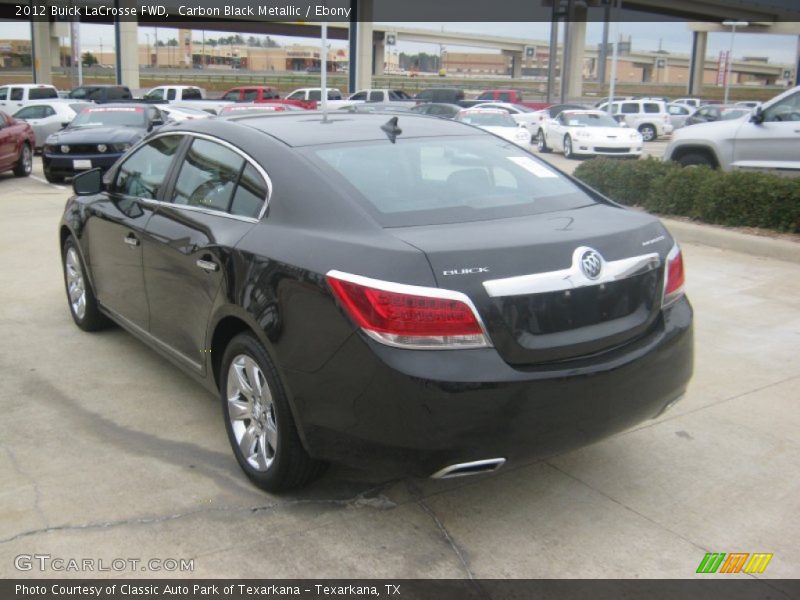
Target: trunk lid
[[525, 277]]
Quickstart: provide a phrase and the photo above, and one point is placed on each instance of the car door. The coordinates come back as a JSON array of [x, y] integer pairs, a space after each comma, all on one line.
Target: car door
[[555, 131], [4, 97], [775, 142], [35, 116], [115, 228], [7, 144], [376, 96], [215, 199], [16, 99]]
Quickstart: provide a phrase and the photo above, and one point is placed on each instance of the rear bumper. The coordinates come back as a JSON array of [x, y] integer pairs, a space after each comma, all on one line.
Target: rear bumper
[[415, 412], [63, 164]]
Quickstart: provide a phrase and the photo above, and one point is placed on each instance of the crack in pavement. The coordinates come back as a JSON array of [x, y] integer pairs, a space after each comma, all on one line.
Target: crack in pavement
[[36, 491], [360, 500]]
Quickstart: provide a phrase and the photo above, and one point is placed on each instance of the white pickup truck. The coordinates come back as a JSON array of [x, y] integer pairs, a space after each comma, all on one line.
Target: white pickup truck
[[16, 95], [184, 95]]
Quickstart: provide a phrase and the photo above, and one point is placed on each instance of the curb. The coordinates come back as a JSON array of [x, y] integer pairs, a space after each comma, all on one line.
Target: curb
[[725, 239]]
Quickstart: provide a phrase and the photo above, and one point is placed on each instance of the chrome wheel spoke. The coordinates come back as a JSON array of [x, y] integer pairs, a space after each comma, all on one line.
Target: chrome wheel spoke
[[263, 456], [241, 380], [271, 435], [75, 287], [239, 410], [254, 377], [247, 443]]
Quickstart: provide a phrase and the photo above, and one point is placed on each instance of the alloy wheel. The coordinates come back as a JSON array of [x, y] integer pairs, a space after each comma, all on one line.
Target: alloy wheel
[[567, 147], [252, 412], [27, 159], [76, 286]]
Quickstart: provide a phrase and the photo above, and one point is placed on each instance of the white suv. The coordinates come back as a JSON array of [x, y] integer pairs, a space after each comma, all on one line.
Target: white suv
[[767, 139], [648, 117]]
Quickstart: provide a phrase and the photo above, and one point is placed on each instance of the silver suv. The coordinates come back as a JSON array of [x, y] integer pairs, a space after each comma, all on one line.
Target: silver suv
[[649, 117], [766, 139]]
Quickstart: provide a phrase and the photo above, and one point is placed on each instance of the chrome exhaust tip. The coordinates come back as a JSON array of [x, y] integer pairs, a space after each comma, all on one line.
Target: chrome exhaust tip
[[469, 468]]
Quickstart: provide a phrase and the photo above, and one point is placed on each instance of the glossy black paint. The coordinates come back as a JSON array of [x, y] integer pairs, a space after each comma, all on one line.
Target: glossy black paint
[[356, 400]]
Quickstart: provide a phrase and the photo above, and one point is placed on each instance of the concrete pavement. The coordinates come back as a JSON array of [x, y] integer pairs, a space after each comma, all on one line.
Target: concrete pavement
[[107, 451]]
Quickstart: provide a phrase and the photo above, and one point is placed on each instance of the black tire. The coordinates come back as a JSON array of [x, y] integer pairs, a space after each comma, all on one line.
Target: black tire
[[24, 165], [52, 177], [290, 466], [568, 153], [91, 319], [541, 142], [649, 133], [696, 159]]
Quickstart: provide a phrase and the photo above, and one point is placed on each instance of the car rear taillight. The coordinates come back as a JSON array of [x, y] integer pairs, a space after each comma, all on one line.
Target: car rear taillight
[[409, 316], [673, 277]]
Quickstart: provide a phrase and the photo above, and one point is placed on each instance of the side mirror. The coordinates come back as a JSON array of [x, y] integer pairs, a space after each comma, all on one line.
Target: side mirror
[[758, 116], [65, 125], [155, 123], [88, 183]]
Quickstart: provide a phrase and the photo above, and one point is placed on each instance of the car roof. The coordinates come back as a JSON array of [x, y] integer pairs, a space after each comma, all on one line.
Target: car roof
[[29, 85], [112, 105], [307, 128]]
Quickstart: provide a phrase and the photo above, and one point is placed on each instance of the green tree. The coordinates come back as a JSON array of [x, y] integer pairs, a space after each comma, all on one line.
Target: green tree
[[89, 59], [172, 42]]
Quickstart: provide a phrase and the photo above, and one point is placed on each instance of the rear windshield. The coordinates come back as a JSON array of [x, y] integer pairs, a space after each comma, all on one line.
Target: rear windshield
[[432, 181], [42, 93]]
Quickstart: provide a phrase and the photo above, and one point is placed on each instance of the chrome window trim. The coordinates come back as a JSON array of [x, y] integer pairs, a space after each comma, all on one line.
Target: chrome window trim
[[210, 211], [572, 277], [417, 290]]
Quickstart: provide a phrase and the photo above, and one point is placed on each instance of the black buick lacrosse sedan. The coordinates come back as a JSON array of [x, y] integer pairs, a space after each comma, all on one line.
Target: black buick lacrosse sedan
[[390, 291]]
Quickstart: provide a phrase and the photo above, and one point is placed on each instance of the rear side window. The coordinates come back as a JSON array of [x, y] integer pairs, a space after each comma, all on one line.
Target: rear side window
[[16, 94], [171, 94], [629, 108], [192, 94], [504, 97], [208, 176], [42, 94], [143, 173], [651, 107], [250, 195], [442, 180], [251, 95]]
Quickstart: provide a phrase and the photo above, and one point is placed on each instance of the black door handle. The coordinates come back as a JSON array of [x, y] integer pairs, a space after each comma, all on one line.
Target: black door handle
[[131, 240]]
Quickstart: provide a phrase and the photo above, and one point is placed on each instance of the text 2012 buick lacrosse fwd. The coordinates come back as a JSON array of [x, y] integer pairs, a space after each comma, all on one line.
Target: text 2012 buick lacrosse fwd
[[397, 292]]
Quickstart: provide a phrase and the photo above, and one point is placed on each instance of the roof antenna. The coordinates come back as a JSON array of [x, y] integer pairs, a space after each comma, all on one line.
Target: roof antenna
[[391, 129], [323, 56]]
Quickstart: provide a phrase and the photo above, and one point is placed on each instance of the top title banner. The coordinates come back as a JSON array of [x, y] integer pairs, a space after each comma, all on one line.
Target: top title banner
[[218, 11]]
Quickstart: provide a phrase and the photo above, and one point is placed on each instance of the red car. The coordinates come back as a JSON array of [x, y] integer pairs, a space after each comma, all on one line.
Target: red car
[[263, 94], [17, 142]]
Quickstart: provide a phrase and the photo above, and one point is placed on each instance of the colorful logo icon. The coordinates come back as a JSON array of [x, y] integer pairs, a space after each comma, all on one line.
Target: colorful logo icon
[[734, 562]]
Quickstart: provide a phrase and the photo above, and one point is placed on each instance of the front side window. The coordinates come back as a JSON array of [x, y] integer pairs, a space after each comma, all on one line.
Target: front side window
[[651, 107], [143, 173], [315, 95], [299, 95], [3, 93], [250, 95], [157, 94], [376, 96], [787, 109], [171, 94], [427, 181], [208, 176], [363, 96], [505, 97], [232, 95]]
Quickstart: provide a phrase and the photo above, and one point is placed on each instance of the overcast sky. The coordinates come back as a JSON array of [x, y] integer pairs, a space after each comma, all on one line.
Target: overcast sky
[[672, 36]]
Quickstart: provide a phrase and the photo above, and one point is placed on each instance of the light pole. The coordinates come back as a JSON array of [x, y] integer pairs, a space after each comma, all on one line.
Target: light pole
[[733, 25], [149, 60]]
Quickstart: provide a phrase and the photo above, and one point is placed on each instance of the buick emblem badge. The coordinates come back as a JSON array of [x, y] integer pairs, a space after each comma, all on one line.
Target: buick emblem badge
[[591, 264]]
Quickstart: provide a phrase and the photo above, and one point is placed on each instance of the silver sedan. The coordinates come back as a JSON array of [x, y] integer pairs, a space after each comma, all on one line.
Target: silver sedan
[[49, 116]]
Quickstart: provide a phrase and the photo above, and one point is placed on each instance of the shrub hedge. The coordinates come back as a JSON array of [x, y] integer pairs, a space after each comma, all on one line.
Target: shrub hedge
[[738, 199]]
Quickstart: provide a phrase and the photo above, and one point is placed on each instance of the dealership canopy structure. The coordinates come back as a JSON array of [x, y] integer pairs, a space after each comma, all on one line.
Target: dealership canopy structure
[[368, 39]]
